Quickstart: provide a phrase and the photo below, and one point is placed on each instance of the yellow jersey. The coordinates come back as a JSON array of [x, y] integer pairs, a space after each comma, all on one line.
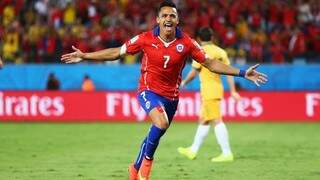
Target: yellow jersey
[[210, 83]]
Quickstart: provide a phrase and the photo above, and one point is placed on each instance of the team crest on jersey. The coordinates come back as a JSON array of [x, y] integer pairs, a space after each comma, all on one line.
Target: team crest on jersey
[[180, 48]]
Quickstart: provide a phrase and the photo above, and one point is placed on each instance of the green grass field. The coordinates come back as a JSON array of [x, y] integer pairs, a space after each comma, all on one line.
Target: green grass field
[[101, 151]]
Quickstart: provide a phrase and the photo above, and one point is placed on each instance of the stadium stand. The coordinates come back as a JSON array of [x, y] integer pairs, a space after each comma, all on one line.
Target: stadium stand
[[269, 31]]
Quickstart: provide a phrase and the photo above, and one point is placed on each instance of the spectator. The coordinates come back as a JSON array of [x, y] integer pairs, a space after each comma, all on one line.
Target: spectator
[[297, 45], [230, 37], [53, 83], [242, 28], [11, 44], [55, 17], [69, 16], [255, 18], [256, 51], [46, 25], [304, 9], [288, 14], [241, 57], [87, 84], [274, 11], [41, 6], [52, 46], [8, 15], [276, 51]]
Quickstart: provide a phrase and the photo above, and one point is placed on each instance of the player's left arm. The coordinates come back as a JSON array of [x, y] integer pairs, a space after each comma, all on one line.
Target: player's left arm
[[218, 67], [250, 74]]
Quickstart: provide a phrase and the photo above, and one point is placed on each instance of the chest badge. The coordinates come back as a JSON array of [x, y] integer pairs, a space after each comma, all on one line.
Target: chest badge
[[179, 48]]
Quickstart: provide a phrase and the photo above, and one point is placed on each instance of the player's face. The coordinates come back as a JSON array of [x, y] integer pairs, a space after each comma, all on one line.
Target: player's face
[[167, 20]]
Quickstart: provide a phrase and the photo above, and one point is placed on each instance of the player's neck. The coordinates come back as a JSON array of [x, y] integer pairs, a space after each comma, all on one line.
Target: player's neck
[[167, 38], [205, 43]]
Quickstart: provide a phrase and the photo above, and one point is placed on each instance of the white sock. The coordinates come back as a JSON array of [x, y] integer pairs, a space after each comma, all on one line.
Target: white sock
[[222, 136], [201, 134]]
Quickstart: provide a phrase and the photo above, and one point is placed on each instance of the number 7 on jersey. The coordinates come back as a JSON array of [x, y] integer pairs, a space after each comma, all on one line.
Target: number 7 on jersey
[[166, 60]]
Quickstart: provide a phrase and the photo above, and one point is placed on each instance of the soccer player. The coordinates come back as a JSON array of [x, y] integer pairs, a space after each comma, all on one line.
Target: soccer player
[[211, 91], [165, 49]]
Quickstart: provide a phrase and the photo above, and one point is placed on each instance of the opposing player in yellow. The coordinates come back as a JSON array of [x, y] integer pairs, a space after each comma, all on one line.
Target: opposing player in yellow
[[1, 63], [211, 90]]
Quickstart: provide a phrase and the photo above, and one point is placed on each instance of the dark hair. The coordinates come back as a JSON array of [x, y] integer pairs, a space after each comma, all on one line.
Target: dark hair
[[166, 3], [205, 34]]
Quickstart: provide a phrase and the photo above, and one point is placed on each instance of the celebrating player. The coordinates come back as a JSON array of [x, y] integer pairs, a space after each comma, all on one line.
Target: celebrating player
[[211, 94], [165, 49]]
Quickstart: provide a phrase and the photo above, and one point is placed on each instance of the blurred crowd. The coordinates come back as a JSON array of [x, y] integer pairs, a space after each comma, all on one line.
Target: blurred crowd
[[270, 31]]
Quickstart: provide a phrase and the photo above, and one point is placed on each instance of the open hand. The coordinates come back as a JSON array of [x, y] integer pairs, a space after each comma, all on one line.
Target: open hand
[[74, 57], [255, 76]]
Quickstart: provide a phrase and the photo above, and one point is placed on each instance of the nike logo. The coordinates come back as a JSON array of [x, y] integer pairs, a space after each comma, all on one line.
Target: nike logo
[[154, 45]]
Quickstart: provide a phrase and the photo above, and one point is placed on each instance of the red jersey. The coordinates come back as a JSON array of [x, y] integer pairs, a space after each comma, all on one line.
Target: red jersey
[[162, 62]]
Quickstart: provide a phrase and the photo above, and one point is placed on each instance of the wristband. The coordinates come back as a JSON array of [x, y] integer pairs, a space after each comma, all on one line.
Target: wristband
[[242, 73]]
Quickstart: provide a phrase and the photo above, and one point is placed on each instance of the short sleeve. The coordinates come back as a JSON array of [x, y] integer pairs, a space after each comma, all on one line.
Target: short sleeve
[[132, 46], [225, 58], [197, 53]]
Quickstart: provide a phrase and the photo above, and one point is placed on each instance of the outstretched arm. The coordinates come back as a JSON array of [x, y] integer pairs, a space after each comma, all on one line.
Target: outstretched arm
[[109, 54], [191, 75], [250, 74], [220, 68]]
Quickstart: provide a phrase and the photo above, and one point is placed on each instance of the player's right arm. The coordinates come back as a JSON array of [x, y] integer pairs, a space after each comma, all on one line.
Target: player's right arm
[[190, 76], [132, 46], [195, 69], [109, 54]]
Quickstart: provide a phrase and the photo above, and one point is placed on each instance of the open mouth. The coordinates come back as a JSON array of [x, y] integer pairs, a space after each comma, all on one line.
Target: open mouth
[[168, 26]]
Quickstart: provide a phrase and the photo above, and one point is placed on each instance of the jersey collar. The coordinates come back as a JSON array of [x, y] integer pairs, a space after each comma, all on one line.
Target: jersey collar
[[156, 32], [203, 43]]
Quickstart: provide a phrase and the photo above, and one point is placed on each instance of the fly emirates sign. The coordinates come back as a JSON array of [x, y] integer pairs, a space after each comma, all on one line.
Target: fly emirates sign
[[188, 108], [123, 106], [30, 105]]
